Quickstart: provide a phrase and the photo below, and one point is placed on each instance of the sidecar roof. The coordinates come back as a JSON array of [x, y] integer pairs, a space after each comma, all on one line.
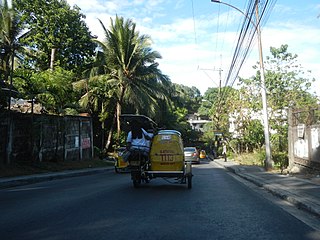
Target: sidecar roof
[[130, 119]]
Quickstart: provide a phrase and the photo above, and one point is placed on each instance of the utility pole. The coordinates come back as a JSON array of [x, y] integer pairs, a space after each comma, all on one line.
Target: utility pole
[[214, 69], [268, 161], [219, 101]]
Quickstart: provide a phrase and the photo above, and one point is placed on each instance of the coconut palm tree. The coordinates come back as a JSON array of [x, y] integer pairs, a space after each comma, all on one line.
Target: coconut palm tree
[[131, 68], [9, 33]]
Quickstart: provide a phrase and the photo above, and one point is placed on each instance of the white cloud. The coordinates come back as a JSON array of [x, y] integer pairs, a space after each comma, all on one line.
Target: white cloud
[[185, 51]]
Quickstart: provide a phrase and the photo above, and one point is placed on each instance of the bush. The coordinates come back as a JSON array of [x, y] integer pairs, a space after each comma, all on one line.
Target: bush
[[98, 153], [280, 160], [254, 158]]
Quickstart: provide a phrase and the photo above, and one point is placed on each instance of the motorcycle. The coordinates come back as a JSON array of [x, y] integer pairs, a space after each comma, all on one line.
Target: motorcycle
[[165, 158]]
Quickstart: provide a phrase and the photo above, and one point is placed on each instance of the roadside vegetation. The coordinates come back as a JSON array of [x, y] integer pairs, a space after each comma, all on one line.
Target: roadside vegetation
[[50, 57]]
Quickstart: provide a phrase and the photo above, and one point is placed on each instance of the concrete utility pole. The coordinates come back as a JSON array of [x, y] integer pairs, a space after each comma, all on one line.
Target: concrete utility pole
[[268, 161]]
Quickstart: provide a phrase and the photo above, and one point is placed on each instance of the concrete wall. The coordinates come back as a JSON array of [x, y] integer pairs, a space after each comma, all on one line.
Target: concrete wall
[[36, 138], [304, 138]]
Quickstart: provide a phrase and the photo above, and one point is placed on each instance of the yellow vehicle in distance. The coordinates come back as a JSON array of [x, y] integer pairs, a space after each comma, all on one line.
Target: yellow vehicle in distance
[[203, 154], [120, 165]]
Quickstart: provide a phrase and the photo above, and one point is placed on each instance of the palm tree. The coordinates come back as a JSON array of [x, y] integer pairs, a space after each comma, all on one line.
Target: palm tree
[[131, 68], [9, 32]]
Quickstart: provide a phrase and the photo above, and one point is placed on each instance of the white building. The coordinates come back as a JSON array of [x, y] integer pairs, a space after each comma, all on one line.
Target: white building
[[196, 122]]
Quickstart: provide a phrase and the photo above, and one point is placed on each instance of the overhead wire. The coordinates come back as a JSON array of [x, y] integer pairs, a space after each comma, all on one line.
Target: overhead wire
[[217, 34], [194, 29], [224, 33], [246, 35], [240, 53], [241, 48], [194, 23]]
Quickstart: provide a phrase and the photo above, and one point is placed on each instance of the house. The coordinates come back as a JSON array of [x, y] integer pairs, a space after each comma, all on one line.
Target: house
[[196, 122]]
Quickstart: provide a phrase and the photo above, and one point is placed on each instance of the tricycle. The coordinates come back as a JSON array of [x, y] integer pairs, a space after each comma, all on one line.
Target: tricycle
[[120, 165], [164, 157]]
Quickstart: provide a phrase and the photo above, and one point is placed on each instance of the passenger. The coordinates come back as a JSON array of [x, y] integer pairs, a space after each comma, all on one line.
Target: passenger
[[139, 139]]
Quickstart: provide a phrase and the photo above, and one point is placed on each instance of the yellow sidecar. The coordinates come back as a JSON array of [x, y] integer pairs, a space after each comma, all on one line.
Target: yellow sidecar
[[165, 157]]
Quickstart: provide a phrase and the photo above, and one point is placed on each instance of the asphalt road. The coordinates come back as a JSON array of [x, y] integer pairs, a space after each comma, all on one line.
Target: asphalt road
[[106, 206]]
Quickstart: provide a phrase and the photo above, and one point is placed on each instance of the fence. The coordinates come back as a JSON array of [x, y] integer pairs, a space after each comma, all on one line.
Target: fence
[[304, 138], [36, 138]]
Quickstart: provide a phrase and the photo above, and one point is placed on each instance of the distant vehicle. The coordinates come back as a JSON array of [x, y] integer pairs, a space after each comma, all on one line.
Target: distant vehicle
[[120, 165], [203, 154], [191, 154]]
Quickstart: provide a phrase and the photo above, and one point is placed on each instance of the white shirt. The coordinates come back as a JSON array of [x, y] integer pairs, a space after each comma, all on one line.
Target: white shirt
[[140, 143]]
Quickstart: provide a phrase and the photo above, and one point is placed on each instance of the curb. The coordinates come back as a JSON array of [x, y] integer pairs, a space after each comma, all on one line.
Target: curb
[[25, 180], [280, 193]]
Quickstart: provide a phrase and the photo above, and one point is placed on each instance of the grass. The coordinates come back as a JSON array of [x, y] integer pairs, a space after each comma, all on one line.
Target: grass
[[249, 159], [45, 167], [254, 159]]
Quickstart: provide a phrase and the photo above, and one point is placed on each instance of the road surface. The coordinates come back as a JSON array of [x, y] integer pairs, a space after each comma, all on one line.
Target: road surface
[[106, 206]]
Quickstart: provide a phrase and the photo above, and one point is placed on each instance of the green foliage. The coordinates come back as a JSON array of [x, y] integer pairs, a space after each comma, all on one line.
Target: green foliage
[[253, 158], [96, 96], [182, 101], [250, 139], [253, 135], [99, 153], [280, 159], [279, 139], [131, 67], [54, 25], [186, 97], [10, 33], [287, 84], [217, 105], [125, 75], [125, 72], [53, 89]]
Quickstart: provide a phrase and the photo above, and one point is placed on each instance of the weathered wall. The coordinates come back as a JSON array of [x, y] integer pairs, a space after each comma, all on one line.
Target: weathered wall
[[304, 138], [32, 138]]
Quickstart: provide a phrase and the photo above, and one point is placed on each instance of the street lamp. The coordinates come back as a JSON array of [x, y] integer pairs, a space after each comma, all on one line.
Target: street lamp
[[268, 162]]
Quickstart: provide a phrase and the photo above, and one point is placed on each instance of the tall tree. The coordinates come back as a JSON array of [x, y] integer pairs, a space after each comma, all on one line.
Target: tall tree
[[218, 104], [186, 97], [10, 35], [59, 36], [131, 68], [53, 89], [10, 30], [288, 85]]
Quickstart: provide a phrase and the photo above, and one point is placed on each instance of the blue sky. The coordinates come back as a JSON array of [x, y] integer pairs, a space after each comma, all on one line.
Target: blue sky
[[196, 38]]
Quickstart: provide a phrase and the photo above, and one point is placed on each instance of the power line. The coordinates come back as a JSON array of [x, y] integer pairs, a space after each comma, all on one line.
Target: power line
[[194, 23], [246, 35]]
